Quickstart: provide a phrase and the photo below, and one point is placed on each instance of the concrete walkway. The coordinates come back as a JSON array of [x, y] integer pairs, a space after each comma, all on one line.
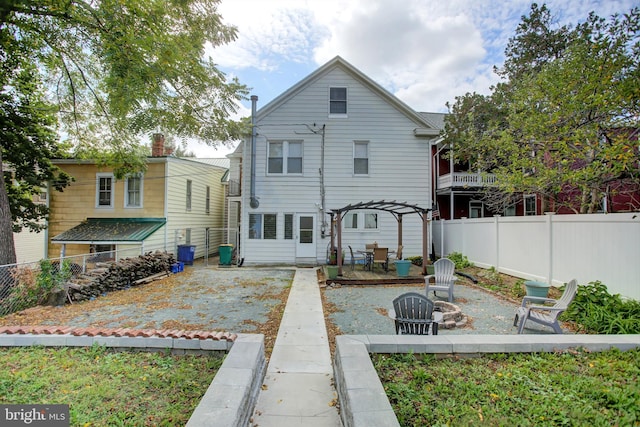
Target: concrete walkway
[[298, 387]]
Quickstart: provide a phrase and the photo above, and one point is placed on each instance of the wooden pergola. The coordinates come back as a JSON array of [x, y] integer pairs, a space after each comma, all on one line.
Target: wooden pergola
[[397, 209]]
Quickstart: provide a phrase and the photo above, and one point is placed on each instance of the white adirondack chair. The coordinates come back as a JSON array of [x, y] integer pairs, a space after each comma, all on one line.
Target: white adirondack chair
[[545, 315], [443, 277]]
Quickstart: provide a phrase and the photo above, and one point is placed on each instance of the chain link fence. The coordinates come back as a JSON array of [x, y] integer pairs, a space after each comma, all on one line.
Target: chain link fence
[[23, 285]]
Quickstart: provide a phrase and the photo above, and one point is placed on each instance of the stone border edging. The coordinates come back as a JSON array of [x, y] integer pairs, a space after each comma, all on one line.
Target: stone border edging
[[233, 393], [363, 401]]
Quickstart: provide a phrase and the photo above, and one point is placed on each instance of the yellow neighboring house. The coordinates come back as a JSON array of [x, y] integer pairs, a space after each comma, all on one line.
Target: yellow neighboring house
[[176, 201]]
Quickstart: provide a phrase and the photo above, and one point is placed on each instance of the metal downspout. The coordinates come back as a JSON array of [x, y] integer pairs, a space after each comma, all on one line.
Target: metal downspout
[[253, 201], [323, 228]]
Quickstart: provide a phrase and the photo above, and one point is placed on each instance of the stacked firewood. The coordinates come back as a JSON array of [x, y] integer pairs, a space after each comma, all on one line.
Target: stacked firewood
[[123, 274]]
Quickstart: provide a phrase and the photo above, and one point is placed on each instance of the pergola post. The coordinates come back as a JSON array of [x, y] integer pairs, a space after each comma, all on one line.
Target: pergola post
[[339, 248], [399, 231], [425, 242], [333, 236]]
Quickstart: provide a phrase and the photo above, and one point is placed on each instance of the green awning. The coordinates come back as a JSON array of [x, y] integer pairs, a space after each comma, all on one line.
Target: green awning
[[110, 231]]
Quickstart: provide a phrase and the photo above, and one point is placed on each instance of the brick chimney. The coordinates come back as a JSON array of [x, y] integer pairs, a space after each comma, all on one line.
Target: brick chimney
[[157, 147]]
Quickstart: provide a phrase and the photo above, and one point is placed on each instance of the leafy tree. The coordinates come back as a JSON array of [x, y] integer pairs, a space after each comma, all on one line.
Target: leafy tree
[[29, 141], [116, 70], [565, 115]]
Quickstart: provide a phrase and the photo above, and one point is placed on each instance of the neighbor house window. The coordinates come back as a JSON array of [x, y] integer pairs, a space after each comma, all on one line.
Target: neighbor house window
[[338, 100], [476, 209], [530, 204], [103, 252], [104, 190], [133, 191], [189, 186], [207, 201], [361, 158], [510, 211], [262, 226], [187, 236], [285, 157]]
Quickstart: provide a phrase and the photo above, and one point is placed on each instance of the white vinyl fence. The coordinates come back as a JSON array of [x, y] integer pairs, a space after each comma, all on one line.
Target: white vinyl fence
[[551, 248]]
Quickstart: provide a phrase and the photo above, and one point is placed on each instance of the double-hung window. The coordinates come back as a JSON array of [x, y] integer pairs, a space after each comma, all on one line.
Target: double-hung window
[[338, 101], [361, 157], [133, 191], [285, 157], [104, 190], [262, 226]]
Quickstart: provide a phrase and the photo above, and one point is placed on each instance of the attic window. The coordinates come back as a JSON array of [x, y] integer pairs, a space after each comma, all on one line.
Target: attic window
[[338, 100]]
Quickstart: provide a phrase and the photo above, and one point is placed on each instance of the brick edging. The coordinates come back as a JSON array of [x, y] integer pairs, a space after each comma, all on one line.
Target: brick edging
[[116, 332]]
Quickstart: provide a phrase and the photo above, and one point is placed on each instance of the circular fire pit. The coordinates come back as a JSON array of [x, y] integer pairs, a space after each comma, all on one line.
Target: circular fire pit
[[452, 315]]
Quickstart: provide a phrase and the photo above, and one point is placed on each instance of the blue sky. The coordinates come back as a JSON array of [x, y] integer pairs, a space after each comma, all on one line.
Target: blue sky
[[426, 52]]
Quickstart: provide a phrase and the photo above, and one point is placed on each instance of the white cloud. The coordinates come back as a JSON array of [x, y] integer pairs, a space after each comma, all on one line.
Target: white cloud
[[424, 51]]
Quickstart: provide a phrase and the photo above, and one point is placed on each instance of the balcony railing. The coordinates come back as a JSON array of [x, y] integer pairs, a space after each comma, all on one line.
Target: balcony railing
[[465, 180]]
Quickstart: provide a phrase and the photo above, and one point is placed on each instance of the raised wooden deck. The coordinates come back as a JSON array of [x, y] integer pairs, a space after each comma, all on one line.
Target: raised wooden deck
[[360, 276]]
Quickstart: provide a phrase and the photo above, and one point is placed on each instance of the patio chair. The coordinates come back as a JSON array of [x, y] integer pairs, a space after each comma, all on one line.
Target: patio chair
[[545, 315], [443, 277], [370, 246], [413, 315], [381, 256], [355, 258]]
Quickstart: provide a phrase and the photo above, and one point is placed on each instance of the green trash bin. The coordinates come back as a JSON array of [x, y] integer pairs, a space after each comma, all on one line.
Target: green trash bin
[[225, 254]]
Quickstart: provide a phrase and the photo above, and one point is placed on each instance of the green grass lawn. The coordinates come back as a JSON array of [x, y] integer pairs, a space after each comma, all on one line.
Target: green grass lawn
[[107, 388], [541, 389]]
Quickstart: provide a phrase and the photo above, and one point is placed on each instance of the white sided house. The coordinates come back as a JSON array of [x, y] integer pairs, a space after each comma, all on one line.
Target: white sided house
[[335, 138]]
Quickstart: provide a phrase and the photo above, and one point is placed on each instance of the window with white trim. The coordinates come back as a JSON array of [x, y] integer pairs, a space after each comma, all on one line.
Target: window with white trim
[[262, 226], [361, 157], [207, 200], [133, 191], [338, 101], [367, 221], [104, 190], [530, 204], [189, 189], [285, 157], [371, 221], [476, 209], [288, 226], [350, 221]]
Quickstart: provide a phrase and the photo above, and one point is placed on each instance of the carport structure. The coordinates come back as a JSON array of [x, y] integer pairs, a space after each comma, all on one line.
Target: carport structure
[[397, 209]]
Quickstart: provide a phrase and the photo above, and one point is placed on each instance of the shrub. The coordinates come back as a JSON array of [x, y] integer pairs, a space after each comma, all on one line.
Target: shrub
[[415, 260], [460, 260], [29, 291], [596, 310]]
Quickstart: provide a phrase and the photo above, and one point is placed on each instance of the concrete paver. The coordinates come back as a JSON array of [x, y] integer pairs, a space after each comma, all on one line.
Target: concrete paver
[[298, 387]]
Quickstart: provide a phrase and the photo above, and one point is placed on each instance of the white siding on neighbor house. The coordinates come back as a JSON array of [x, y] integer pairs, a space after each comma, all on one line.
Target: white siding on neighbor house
[[30, 246], [398, 168], [179, 218]]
